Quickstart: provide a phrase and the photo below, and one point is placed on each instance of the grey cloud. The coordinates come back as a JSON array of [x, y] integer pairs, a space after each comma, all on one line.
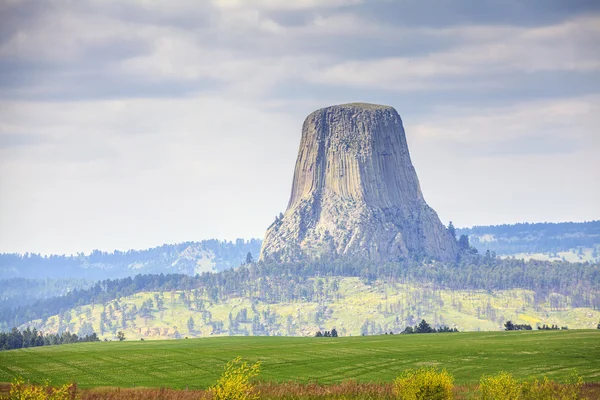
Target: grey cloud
[[97, 71], [470, 91], [182, 15], [19, 15], [88, 81], [443, 13]]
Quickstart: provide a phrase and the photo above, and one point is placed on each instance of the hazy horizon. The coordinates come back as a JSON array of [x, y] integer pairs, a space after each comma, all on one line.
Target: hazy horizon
[[127, 124]]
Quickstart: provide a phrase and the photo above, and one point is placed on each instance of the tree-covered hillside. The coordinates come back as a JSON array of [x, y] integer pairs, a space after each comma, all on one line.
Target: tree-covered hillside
[[186, 258], [573, 241], [545, 286], [15, 292], [66, 283]]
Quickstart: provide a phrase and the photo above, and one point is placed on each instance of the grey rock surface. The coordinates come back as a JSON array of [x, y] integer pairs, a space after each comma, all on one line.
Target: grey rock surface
[[355, 192]]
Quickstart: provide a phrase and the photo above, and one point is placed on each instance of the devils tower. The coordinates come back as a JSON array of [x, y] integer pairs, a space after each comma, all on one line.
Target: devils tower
[[356, 193]]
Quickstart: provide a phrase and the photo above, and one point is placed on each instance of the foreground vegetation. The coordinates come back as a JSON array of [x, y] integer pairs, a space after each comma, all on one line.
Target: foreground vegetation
[[295, 391], [196, 363], [237, 383]]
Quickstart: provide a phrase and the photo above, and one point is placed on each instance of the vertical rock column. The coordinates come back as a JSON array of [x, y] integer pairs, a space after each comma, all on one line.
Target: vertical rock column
[[356, 192]]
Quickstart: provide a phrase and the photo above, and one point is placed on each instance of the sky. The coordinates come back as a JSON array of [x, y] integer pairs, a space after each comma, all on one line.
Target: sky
[[126, 124]]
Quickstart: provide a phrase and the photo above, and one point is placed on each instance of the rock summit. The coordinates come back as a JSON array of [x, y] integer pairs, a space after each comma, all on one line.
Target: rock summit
[[356, 193]]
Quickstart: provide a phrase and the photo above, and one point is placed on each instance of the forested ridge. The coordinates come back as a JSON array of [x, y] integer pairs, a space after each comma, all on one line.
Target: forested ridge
[[557, 284], [290, 282], [16, 292], [531, 238], [186, 258]]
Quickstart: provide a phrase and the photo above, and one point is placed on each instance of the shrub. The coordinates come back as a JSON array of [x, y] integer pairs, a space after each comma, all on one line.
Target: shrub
[[550, 390], [424, 384], [499, 387], [504, 387], [235, 383], [21, 391]]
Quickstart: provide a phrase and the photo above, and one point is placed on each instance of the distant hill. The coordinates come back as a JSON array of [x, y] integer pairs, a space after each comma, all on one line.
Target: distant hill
[[570, 241], [478, 292], [15, 292], [25, 279], [188, 258]]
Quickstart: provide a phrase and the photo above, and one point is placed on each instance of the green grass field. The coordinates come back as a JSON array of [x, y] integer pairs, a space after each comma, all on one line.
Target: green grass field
[[199, 362]]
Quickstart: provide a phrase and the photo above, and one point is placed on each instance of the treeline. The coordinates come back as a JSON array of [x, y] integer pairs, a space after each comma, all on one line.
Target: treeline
[[331, 333], [535, 237], [17, 292], [509, 326], [424, 327], [177, 258], [553, 327], [562, 284], [16, 339]]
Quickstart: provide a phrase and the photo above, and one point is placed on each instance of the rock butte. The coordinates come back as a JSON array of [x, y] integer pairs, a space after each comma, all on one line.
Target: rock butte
[[355, 192]]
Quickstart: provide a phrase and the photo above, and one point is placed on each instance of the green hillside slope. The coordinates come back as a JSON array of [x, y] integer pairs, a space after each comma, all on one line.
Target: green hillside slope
[[348, 304]]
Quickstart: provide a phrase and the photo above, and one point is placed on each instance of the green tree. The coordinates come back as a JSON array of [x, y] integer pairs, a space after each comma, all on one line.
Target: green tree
[[463, 243], [190, 325], [121, 336], [452, 230], [249, 259], [423, 327], [123, 320]]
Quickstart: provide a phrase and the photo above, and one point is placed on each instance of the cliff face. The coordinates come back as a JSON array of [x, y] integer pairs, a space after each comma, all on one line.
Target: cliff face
[[356, 192]]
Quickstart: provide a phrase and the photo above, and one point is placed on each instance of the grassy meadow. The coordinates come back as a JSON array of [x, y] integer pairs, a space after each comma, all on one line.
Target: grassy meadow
[[197, 363]]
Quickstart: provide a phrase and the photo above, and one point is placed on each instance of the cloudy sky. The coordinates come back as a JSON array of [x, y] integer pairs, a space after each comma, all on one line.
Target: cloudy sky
[[128, 124]]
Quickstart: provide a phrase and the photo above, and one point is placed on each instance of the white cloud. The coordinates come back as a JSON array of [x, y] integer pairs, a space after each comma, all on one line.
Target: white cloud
[[572, 120], [119, 174], [568, 46], [532, 161]]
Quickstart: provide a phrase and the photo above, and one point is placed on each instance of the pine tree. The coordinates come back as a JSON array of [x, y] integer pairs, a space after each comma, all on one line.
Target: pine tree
[[452, 230], [190, 325], [423, 327]]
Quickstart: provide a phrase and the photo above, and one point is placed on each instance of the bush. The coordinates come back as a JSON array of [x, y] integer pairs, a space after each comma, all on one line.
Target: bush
[[504, 387], [500, 387], [547, 389], [235, 383], [424, 384], [21, 391]]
